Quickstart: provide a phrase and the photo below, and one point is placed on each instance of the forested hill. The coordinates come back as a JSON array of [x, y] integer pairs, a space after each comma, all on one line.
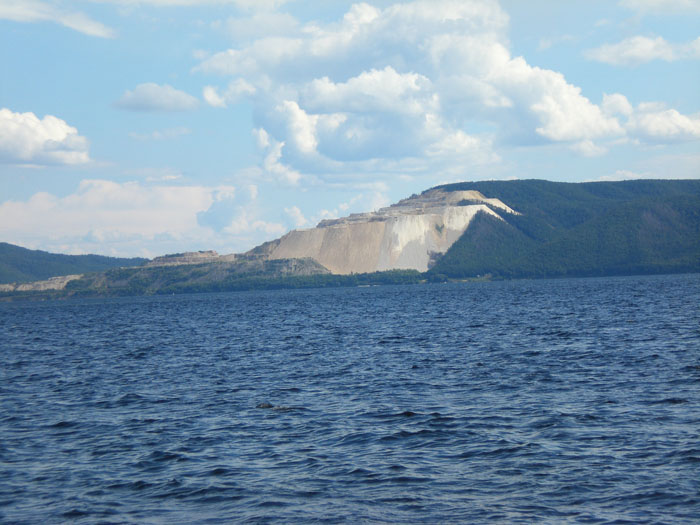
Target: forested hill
[[19, 265], [580, 229]]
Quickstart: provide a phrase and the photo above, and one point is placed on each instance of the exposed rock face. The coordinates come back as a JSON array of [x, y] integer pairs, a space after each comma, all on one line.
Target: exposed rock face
[[190, 258], [53, 283], [408, 235], [209, 276]]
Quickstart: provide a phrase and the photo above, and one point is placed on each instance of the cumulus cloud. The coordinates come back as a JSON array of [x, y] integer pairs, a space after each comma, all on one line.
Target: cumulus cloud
[[27, 139], [154, 97], [372, 198], [406, 89], [39, 11], [273, 153], [652, 122], [296, 216], [103, 210], [234, 92], [616, 104], [641, 49], [131, 215]]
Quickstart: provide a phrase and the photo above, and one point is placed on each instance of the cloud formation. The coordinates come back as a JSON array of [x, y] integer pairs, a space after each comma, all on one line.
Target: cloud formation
[[652, 122], [154, 97], [128, 216], [27, 139], [40, 11], [414, 88], [236, 90], [638, 50]]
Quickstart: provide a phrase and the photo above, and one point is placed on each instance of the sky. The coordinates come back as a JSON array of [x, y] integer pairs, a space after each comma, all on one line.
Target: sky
[[146, 127]]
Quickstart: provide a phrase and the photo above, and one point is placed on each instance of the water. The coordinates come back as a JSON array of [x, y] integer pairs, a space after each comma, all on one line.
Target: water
[[531, 401]]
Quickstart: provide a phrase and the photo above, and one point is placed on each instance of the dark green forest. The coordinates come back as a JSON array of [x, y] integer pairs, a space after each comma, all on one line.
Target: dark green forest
[[582, 229], [21, 265]]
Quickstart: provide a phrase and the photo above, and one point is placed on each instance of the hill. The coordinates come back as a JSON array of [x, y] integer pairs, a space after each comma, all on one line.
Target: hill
[[582, 229], [468, 230], [21, 265]]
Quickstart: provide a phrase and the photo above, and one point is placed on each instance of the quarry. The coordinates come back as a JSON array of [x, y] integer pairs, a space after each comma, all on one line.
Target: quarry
[[409, 235]]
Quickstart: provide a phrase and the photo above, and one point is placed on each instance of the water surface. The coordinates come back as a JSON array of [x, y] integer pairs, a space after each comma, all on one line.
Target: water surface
[[561, 401]]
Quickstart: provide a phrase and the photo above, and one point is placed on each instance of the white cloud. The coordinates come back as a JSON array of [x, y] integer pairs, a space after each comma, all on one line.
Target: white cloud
[[136, 218], [371, 200], [26, 139], [102, 210], [653, 122], [416, 88], [655, 125], [640, 49], [396, 89], [616, 104], [211, 96], [588, 148], [301, 126], [272, 165], [234, 92], [153, 97], [39, 11], [296, 216], [244, 223], [372, 91], [661, 168], [662, 6], [562, 112]]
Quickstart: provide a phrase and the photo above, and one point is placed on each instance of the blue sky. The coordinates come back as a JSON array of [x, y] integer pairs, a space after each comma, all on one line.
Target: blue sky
[[144, 127]]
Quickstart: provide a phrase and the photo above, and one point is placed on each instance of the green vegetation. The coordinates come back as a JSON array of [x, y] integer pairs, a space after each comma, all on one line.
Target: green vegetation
[[213, 277], [563, 230], [20, 265], [589, 229]]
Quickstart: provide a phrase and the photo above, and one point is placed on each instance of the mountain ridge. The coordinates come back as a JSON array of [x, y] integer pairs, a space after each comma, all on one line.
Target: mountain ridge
[[23, 265], [469, 230], [582, 229]]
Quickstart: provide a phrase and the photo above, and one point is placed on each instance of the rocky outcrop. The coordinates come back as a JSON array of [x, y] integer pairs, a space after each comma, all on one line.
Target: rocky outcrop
[[205, 277], [53, 283], [200, 257], [411, 234]]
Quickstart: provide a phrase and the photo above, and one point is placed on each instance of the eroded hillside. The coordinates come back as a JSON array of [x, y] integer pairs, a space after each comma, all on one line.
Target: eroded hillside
[[408, 235]]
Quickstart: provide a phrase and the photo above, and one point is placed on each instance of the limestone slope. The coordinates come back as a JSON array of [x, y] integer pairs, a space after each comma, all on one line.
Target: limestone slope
[[411, 234]]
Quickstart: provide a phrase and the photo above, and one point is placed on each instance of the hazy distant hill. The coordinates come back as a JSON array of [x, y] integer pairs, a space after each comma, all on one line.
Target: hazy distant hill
[[584, 229], [20, 265]]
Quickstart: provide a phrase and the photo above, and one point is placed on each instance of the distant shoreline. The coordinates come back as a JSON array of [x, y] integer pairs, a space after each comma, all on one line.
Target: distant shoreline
[[392, 277]]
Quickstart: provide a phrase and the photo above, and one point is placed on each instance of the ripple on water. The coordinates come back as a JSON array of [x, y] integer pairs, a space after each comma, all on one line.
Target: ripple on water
[[532, 401]]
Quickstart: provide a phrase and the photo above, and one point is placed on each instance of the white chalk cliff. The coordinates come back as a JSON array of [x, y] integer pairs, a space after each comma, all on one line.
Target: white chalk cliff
[[408, 235]]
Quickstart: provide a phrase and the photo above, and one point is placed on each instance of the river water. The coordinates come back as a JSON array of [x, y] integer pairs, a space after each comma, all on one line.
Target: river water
[[553, 401]]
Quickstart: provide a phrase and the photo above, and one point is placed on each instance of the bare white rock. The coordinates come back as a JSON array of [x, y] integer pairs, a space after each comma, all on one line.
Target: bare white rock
[[407, 235]]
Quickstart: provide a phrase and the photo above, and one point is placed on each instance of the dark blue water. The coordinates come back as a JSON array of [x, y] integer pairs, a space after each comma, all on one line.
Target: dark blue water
[[519, 402]]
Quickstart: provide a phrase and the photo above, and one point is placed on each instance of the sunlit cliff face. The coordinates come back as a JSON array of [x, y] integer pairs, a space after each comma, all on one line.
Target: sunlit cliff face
[[407, 235]]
